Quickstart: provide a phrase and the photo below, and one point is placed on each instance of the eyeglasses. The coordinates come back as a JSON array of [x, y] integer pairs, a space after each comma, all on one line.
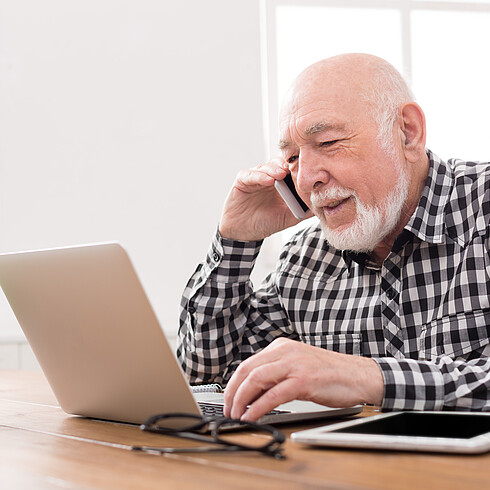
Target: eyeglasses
[[217, 431]]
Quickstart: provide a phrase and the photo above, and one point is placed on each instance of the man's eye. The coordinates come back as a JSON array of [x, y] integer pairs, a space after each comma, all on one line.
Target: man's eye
[[292, 159], [325, 144]]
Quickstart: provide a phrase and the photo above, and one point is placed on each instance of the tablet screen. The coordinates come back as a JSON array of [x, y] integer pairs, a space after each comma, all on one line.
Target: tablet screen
[[455, 426]]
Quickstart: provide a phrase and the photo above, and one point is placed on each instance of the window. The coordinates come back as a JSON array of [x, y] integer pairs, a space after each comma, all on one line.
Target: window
[[441, 47]]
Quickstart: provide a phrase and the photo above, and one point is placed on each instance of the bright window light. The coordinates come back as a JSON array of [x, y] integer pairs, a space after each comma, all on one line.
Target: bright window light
[[450, 79], [309, 34]]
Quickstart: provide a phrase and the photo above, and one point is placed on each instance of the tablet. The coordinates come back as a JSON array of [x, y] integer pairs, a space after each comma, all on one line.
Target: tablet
[[451, 432]]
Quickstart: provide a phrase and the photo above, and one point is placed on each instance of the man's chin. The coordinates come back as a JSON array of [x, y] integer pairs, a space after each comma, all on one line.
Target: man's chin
[[351, 242]]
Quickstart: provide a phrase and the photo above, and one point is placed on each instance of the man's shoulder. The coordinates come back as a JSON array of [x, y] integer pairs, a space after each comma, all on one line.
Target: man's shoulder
[[468, 207], [471, 183], [470, 172]]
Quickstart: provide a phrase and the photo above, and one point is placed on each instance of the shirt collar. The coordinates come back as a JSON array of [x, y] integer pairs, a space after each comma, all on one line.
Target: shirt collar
[[427, 222]]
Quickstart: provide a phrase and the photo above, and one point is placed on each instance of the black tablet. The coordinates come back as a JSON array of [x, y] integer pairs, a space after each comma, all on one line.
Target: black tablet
[[452, 432]]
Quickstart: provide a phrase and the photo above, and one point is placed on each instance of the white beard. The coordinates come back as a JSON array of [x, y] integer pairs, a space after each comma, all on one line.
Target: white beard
[[372, 224]]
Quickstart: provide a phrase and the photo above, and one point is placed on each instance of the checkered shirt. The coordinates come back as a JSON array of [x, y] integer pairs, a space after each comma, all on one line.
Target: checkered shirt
[[424, 316]]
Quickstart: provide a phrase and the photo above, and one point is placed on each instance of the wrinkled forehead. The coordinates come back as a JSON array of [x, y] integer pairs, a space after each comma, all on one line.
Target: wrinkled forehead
[[306, 111]]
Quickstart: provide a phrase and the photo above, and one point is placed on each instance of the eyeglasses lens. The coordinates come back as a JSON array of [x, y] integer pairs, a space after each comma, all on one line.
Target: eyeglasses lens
[[177, 423], [259, 439]]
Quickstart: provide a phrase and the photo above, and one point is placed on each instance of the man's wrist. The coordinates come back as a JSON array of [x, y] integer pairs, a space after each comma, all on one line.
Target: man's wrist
[[372, 382], [231, 242], [411, 384], [231, 261]]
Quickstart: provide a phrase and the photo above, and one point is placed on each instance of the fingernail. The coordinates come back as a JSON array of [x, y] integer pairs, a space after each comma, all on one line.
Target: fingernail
[[235, 414]]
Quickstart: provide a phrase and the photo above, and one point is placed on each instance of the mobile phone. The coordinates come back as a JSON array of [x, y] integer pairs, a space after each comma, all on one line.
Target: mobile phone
[[288, 192]]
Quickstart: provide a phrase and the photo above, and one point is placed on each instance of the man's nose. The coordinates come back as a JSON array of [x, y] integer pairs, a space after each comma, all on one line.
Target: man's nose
[[311, 172]]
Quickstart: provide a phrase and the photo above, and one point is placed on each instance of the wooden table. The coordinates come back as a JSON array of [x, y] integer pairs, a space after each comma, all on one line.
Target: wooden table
[[42, 447]]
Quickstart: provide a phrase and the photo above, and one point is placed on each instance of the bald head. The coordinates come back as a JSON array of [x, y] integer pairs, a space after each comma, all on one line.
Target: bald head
[[364, 75], [369, 83]]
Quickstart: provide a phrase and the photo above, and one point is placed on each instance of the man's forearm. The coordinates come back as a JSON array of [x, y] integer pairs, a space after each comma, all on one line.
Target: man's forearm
[[223, 321]]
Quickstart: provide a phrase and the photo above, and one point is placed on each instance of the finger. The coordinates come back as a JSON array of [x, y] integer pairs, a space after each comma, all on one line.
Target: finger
[[270, 354], [240, 375], [267, 171], [254, 178], [260, 379], [276, 167], [283, 392], [275, 162], [235, 381]]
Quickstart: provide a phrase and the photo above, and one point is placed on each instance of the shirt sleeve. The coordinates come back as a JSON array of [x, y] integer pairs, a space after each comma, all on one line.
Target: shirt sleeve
[[223, 320], [440, 384]]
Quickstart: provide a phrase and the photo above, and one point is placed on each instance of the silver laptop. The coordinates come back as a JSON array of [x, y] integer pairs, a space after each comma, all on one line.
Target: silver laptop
[[91, 326]]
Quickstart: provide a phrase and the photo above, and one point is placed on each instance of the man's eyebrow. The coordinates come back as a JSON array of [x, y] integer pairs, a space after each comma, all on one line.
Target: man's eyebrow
[[321, 126], [318, 127]]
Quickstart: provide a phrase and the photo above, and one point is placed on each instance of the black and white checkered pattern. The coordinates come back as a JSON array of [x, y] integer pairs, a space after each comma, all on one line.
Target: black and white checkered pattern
[[424, 316]]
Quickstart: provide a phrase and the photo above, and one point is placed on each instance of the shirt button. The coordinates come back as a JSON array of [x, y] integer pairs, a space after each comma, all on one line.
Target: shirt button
[[216, 257], [391, 293]]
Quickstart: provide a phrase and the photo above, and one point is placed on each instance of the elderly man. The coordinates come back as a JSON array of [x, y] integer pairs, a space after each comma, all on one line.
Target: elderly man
[[388, 294]]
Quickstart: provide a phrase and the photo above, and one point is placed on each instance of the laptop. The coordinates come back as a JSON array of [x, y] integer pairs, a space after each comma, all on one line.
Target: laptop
[[93, 330]]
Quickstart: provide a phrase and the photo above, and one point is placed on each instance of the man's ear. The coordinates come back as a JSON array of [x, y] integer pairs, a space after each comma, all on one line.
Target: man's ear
[[412, 126]]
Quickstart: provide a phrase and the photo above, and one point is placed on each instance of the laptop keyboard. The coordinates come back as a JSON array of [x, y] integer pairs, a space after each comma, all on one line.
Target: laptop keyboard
[[216, 410]]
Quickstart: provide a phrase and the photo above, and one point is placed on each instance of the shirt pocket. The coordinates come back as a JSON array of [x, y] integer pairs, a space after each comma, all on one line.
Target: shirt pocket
[[455, 335], [346, 343]]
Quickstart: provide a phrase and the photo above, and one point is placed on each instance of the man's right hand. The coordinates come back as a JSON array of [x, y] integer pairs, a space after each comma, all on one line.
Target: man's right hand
[[254, 209]]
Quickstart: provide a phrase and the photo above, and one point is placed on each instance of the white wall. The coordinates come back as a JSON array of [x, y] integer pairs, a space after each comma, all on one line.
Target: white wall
[[126, 120]]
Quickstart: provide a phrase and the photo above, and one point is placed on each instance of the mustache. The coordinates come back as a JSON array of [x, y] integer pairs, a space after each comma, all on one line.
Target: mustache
[[318, 198]]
